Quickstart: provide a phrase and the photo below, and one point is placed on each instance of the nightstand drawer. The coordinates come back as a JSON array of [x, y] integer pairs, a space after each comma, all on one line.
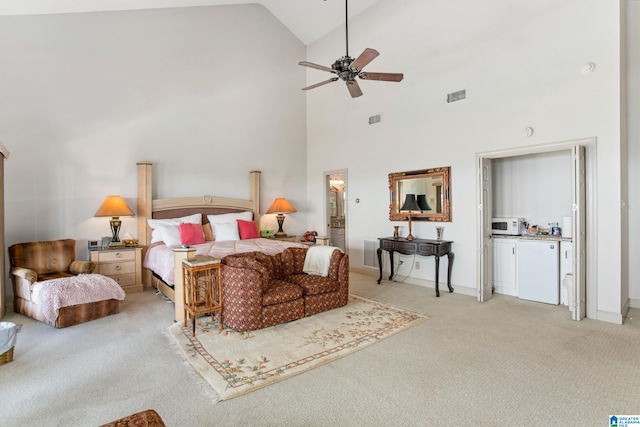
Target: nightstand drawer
[[122, 265], [115, 268], [109, 256], [287, 238], [125, 279]]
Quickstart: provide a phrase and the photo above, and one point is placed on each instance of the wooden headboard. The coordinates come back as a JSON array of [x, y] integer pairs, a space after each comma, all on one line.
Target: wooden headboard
[[182, 206]]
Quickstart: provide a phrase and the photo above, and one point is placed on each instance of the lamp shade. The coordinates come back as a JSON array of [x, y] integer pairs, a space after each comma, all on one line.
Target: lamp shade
[[410, 203], [423, 203], [114, 206], [280, 205]]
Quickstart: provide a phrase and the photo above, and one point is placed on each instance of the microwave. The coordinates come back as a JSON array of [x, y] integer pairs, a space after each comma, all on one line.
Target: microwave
[[509, 226]]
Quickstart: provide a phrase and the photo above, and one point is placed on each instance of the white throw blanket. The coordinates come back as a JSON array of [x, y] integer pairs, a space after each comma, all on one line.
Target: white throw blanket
[[53, 294], [317, 260]]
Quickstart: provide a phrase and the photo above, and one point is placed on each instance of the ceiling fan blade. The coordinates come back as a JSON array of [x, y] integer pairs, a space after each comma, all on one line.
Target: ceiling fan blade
[[316, 66], [354, 88], [333, 79], [365, 57], [387, 77]]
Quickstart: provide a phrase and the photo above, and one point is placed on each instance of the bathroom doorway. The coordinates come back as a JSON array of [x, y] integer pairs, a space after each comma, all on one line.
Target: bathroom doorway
[[336, 208]]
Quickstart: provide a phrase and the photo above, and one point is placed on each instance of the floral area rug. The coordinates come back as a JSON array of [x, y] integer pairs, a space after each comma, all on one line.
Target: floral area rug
[[235, 363]]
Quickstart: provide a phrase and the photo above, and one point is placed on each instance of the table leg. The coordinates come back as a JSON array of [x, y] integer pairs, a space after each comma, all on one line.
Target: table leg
[[450, 255], [437, 275], [380, 264], [391, 262]]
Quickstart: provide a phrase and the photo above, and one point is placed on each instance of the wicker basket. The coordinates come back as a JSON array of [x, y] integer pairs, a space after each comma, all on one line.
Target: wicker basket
[[6, 357]]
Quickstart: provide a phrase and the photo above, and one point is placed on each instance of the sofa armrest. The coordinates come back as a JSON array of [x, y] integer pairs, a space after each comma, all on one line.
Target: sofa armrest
[[25, 274], [82, 267], [242, 297], [343, 273]]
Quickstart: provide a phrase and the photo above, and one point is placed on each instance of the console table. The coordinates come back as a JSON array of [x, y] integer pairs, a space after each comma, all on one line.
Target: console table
[[424, 247]]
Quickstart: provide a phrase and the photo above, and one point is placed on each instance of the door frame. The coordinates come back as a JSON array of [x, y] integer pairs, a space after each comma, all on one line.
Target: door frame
[[326, 175], [589, 281]]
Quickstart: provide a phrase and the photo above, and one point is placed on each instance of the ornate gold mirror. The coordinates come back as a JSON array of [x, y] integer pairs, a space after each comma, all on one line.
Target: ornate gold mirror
[[431, 190]]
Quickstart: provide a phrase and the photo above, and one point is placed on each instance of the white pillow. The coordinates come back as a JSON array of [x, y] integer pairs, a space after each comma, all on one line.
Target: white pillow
[[226, 231], [170, 234], [156, 235], [230, 217]]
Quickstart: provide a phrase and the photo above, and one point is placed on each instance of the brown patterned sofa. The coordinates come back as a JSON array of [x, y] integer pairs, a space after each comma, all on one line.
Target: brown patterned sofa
[[265, 290], [39, 261]]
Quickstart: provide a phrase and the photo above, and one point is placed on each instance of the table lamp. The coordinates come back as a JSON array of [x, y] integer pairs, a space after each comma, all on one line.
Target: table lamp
[[115, 207], [280, 206], [410, 205]]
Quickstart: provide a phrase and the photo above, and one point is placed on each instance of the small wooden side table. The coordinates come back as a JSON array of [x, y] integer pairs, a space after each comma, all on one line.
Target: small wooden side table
[[202, 290]]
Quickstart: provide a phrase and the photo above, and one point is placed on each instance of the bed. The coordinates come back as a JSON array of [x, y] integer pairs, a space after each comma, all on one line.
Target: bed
[[162, 263]]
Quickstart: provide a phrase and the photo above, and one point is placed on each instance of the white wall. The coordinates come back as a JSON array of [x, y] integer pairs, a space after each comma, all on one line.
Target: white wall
[[521, 64], [536, 187], [207, 94]]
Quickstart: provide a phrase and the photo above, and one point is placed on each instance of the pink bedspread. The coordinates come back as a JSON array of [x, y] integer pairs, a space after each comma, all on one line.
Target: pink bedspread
[[51, 295], [159, 257]]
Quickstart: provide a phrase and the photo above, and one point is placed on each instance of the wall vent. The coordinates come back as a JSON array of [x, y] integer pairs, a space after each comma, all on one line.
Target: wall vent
[[457, 96], [371, 253], [375, 119]]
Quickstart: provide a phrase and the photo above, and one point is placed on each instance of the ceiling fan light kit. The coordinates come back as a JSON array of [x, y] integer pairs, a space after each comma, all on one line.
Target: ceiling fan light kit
[[347, 69]]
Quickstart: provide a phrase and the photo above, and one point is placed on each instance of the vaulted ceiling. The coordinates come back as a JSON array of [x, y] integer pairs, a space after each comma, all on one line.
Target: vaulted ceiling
[[307, 19]]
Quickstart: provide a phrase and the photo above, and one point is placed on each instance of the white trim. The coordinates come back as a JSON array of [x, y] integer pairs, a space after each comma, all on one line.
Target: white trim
[[607, 316], [590, 143]]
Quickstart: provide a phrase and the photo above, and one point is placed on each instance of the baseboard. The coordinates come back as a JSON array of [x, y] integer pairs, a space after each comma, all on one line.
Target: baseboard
[[374, 272], [607, 316], [604, 316]]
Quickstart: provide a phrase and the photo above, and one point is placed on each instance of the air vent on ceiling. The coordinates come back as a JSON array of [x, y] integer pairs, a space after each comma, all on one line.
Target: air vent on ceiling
[[457, 96], [375, 119]]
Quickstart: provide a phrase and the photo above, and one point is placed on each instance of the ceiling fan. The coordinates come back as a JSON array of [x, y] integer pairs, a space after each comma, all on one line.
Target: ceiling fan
[[347, 68]]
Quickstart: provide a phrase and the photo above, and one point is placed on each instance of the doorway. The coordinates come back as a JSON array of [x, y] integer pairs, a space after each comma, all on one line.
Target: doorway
[[583, 196], [336, 208]]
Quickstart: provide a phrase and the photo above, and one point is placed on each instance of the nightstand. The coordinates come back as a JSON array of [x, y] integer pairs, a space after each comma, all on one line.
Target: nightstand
[[320, 241], [124, 265], [286, 238]]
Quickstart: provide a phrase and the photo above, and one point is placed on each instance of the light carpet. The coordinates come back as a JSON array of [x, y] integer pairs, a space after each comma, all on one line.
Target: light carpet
[[235, 363]]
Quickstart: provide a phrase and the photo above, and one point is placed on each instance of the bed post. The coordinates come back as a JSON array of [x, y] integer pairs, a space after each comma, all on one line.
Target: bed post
[[180, 254], [145, 207], [255, 195]]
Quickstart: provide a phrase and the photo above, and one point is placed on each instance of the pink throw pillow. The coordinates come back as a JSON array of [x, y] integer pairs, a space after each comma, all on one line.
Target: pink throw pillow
[[247, 229], [191, 234]]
